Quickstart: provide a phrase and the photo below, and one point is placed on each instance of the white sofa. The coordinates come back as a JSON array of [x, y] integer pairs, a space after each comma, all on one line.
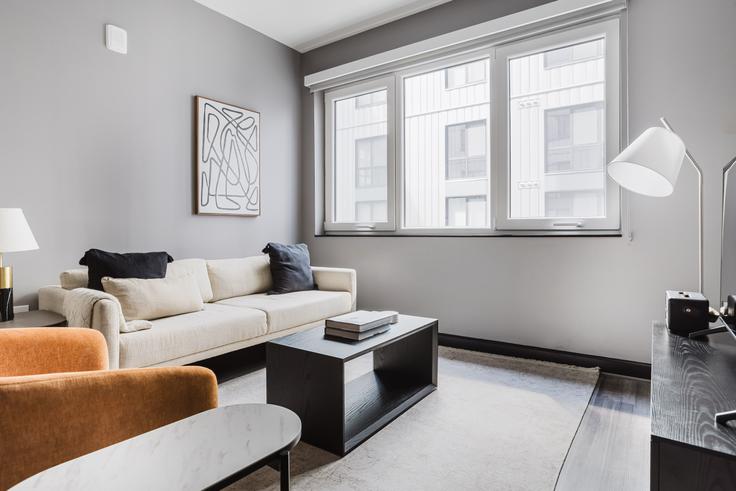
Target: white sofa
[[237, 311]]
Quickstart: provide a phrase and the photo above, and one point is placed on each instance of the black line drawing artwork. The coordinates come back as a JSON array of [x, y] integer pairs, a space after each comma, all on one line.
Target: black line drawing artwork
[[228, 159]]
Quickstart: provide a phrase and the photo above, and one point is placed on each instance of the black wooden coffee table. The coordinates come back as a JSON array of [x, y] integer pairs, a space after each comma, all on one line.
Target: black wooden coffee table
[[306, 373]]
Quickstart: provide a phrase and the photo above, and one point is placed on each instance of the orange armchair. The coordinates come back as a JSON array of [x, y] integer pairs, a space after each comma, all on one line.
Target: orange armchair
[[58, 401]]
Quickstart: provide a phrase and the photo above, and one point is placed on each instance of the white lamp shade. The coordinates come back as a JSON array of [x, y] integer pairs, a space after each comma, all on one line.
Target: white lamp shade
[[651, 164], [15, 234]]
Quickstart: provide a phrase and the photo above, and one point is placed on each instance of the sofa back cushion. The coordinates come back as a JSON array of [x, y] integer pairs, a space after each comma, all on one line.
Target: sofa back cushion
[[147, 299], [241, 276], [144, 265], [196, 268], [74, 278], [78, 277]]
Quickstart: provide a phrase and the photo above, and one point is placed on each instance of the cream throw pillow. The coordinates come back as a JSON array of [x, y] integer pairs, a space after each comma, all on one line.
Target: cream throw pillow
[[152, 299]]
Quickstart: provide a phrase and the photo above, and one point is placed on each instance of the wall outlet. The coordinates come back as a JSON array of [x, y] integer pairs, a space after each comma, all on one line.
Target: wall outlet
[[20, 308]]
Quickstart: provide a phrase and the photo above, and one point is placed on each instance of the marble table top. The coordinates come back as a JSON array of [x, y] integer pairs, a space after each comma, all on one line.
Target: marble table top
[[192, 453]]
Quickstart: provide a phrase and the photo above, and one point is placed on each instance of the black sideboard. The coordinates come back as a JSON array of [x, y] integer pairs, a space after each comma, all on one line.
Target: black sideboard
[[691, 381]]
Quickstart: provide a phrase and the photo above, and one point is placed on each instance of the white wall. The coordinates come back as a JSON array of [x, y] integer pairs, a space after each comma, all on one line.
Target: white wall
[[588, 295]]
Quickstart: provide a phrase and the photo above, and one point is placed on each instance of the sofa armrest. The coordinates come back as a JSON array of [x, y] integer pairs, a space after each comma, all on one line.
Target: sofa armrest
[[49, 419], [48, 350], [83, 307], [52, 298], [337, 280], [106, 319]]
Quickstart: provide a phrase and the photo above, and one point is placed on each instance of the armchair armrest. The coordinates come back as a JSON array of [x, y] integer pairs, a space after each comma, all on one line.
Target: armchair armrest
[[337, 280], [49, 419], [47, 350]]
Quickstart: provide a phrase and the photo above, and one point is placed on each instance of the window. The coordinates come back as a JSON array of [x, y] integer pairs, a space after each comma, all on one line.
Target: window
[[570, 204], [445, 144], [370, 162], [574, 138], [466, 211], [430, 149], [359, 156], [370, 211], [562, 126], [572, 54], [465, 146], [369, 100], [466, 74]]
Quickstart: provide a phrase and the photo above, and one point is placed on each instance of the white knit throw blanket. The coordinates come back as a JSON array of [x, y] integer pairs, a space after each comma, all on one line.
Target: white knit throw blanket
[[79, 306]]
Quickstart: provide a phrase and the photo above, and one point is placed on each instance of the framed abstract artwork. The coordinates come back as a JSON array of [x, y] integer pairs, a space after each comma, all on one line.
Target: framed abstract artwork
[[228, 159]]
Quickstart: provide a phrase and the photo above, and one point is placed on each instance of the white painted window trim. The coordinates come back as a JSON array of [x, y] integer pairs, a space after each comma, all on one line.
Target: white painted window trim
[[526, 23], [330, 98], [612, 221], [488, 37]]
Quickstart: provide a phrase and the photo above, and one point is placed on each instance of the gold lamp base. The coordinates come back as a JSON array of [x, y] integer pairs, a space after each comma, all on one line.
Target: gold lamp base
[[6, 293], [6, 277]]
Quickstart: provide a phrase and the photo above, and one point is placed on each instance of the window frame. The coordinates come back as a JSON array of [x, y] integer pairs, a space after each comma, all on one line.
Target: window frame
[[446, 70], [331, 97], [428, 67], [468, 199], [468, 124], [372, 167], [500, 161], [566, 62], [573, 108], [497, 173]]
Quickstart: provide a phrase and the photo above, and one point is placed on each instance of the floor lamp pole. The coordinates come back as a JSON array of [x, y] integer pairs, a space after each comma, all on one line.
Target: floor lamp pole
[[700, 208]]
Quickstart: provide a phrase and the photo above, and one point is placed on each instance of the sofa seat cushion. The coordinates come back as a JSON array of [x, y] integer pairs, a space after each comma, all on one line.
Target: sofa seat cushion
[[294, 309], [182, 335]]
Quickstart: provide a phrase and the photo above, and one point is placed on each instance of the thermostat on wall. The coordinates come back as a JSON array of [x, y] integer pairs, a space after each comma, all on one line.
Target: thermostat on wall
[[116, 39]]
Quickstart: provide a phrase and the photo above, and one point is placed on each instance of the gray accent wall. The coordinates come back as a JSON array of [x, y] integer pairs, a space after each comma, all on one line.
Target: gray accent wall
[[582, 294], [97, 147]]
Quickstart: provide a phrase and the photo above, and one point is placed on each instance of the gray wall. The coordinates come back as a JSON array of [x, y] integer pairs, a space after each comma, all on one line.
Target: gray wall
[[97, 147], [588, 295]]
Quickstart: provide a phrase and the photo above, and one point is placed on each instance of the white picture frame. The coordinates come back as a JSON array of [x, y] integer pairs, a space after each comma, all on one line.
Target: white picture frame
[[228, 159]]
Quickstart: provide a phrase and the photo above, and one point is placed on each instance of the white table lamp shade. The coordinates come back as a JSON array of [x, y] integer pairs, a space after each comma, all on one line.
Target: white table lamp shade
[[651, 164], [15, 234]]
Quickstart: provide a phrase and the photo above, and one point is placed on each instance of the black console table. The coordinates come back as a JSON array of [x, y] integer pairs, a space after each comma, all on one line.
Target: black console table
[[692, 380]]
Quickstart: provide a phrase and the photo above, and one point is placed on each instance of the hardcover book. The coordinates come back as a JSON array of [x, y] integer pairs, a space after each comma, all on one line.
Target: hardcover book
[[356, 336], [362, 320]]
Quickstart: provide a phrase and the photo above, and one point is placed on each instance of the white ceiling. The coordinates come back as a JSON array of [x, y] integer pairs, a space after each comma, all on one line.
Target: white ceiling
[[308, 24]]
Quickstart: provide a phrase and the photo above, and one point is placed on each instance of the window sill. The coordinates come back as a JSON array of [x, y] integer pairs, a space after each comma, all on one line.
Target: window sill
[[485, 235]]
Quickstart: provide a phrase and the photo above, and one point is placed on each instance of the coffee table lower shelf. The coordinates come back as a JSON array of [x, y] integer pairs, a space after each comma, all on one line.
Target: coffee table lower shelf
[[374, 400]]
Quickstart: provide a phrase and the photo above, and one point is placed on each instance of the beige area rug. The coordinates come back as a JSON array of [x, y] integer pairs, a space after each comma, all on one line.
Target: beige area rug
[[494, 423]]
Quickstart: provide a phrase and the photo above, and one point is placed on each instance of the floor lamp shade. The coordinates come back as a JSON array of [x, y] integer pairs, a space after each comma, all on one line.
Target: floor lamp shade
[[651, 164]]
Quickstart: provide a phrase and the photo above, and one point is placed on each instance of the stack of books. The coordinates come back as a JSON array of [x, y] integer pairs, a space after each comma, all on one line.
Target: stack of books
[[361, 324]]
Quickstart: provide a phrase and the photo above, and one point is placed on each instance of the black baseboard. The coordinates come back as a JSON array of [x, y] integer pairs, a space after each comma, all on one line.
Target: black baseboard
[[608, 365]]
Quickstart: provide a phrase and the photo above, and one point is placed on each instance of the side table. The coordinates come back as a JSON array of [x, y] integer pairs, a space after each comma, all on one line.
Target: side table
[[35, 318]]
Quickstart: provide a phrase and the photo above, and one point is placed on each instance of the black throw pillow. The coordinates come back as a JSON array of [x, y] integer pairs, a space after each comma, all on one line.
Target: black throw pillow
[[144, 265], [290, 268]]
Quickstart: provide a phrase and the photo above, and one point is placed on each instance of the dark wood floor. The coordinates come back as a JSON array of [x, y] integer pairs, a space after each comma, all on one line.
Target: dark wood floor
[[611, 448]]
